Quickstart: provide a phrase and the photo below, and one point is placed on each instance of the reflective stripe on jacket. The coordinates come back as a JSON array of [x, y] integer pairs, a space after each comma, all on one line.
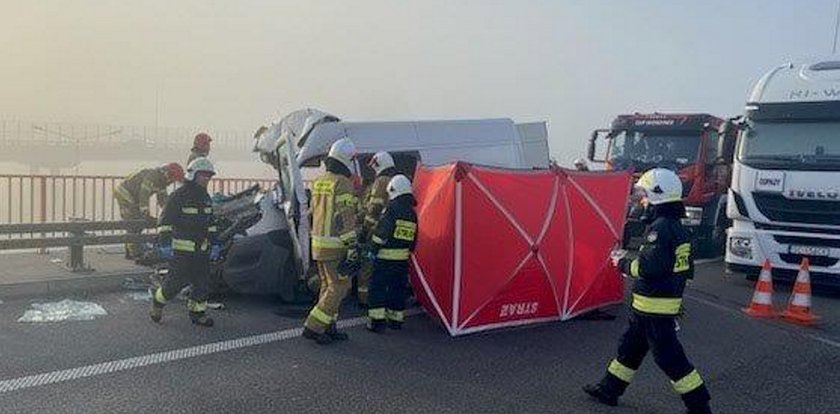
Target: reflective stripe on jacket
[[187, 220], [334, 208], [396, 233], [664, 264]]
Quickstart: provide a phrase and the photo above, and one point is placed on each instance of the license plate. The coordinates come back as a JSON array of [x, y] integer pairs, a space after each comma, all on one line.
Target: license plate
[[809, 250]]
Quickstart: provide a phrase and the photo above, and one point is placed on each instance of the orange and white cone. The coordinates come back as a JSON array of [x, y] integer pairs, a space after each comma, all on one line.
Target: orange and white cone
[[799, 305], [762, 300]]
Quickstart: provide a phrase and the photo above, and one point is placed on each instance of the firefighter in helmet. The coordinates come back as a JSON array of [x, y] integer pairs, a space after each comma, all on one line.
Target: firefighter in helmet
[[187, 238], [660, 271], [580, 165], [133, 195], [374, 202], [334, 240], [393, 240], [201, 147]]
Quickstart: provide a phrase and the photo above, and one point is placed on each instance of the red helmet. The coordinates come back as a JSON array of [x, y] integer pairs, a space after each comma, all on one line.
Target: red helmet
[[174, 172], [202, 142]]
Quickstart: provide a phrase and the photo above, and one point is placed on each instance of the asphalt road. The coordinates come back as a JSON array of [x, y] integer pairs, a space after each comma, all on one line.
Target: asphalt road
[[255, 361]]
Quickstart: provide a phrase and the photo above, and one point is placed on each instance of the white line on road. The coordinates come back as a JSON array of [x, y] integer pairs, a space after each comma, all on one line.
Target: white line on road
[[727, 309], [710, 260], [54, 377]]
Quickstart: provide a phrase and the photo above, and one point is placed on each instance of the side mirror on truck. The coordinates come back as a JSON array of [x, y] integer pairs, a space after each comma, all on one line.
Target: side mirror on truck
[[727, 135], [590, 149]]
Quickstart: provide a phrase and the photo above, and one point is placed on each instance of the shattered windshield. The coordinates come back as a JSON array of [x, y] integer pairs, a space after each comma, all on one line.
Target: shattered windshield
[[635, 149]]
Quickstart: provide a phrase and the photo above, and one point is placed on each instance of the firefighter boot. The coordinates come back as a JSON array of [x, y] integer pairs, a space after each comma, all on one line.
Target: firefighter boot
[[156, 312], [600, 394], [395, 325], [319, 338], [375, 325], [201, 319], [699, 410], [333, 333]]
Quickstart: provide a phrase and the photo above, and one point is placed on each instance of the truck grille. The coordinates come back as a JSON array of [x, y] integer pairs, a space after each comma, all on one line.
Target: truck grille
[[778, 208], [815, 261], [808, 241]]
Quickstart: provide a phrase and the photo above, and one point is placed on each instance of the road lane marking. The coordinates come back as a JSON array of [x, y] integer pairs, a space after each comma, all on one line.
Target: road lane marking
[[792, 330], [710, 260], [87, 371]]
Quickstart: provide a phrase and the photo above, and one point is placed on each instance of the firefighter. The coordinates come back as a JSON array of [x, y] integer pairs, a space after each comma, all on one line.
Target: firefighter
[[580, 165], [187, 238], [133, 195], [393, 240], [660, 271], [334, 241], [374, 202], [200, 148]]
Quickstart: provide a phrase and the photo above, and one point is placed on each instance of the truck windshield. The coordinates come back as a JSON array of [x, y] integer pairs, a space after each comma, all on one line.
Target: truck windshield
[[792, 145], [641, 151]]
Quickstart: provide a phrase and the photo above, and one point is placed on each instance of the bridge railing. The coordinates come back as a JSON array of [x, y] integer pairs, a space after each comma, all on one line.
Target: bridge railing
[[16, 133], [62, 198]]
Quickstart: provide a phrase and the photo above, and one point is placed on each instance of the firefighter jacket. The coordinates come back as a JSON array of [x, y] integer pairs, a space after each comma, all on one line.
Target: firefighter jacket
[[663, 266], [334, 209], [374, 203], [396, 232], [187, 220], [138, 187]]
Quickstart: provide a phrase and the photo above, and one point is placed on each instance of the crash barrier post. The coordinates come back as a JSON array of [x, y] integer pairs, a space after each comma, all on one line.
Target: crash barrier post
[[75, 235]]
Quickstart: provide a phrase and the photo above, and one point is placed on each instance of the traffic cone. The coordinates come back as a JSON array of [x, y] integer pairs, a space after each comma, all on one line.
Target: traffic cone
[[799, 305], [762, 300]]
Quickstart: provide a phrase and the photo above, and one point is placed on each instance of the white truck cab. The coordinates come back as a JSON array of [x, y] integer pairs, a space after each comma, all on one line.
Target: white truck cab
[[784, 200]]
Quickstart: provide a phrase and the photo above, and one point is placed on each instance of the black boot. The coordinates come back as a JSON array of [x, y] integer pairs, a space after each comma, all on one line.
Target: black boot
[[600, 394], [156, 312], [319, 338], [201, 319], [395, 325], [333, 333], [699, 410], [375, 325]]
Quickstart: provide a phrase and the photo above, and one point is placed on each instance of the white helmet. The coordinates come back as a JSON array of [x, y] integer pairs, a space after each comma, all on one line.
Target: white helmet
[[202, 164], [660, 186], [580, 164], [381, 161], [399, 185], [343, 151]]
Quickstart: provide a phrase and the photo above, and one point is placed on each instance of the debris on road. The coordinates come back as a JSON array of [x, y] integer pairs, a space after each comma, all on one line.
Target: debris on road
[[65, 310], [140, 296]]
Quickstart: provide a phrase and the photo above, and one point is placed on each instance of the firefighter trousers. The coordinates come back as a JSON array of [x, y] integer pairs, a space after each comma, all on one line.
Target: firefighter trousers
[[387, 290], [363, 282], [657, 334], [131, 211], [187, 269], [333, 290]]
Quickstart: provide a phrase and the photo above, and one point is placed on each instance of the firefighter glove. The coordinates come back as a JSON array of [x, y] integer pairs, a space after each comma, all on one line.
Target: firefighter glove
[[215, 252], [165, 251]]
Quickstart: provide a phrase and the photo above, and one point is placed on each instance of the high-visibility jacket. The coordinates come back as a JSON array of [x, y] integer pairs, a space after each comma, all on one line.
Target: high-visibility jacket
[[396, 232], [139, 186], [334, 209], [374, 202], [663, 266], [187, 220]]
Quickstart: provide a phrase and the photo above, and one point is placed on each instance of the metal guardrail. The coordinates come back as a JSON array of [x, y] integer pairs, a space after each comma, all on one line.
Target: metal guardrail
[[75, 235], [60, 198]]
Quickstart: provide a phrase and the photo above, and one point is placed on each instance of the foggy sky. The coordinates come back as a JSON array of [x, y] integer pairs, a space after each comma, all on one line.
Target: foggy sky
[[238, 64]]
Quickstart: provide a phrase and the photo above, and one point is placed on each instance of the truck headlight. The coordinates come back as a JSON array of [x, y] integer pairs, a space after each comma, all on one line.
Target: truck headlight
[[741, 247], [693, 216]]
